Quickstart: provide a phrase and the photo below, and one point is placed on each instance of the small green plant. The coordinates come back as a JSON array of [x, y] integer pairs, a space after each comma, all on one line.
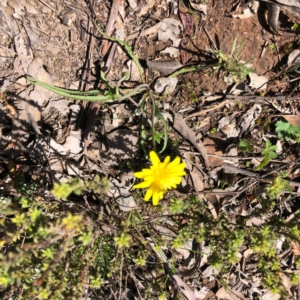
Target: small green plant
[[278, 186], [287, 131], [177, 206], [230, 64], [295, 26], [63, 190], [268, 153], [245, 146], [157, 137], [272, 47], [46, 252]]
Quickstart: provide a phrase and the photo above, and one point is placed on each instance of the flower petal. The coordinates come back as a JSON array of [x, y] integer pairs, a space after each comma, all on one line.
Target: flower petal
[[155, 198], [154, 158], [149, 194], [142, 185]]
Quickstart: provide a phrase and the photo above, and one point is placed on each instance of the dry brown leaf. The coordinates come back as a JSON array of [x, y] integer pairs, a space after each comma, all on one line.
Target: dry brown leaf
[[164, 67], [211, 147], [23, 49], [295, 248], [228, 294], [185, 289], [293, 119], [197, 180], [146, 8], [213, 204]]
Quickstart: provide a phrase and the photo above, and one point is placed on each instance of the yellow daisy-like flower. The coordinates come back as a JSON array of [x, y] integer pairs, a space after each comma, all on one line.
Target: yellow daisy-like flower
[[161, 177]]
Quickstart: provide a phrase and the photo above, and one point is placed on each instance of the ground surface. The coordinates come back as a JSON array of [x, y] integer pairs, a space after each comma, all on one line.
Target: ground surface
[[46, 138]]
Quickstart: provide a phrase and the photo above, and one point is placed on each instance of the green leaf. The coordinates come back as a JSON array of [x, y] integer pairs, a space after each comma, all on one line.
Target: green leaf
[[263, 163], [268, 154], [269, 150], [245, 146], [287, 131]]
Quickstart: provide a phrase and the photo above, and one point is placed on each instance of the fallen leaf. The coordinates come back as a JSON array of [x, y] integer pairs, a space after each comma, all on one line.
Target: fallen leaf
[[72, 169], [294, 57], [202, 293], [258, 82], [185, 289], [249, 11], [165, 85], [248, 120], [23, 49], [207, 272], [181, 127], [270, 296], [293, 119], [145, 8], [170, 29], [164, 67], [228, 294], [295, 248], [132, 4], [73, 142], [199, 7], [122, 195]]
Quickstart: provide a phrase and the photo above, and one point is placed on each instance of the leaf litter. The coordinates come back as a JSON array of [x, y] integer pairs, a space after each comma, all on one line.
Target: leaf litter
[[230, 180]]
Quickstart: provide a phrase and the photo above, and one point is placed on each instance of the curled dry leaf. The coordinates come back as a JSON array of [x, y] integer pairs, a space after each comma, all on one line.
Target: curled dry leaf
[[273, 16], [199, 7]]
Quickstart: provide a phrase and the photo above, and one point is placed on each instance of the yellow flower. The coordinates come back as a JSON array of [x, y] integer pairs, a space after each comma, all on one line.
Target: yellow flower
[[161, 176]]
